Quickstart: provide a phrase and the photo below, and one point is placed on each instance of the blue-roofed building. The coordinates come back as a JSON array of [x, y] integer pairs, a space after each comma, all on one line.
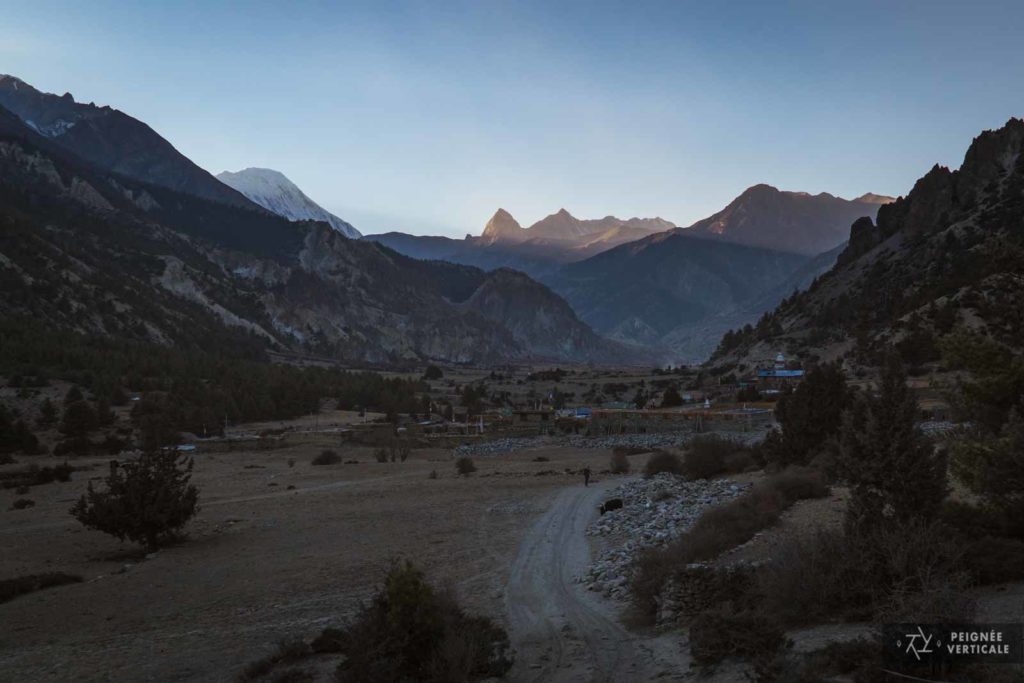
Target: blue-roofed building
[[780, 375]]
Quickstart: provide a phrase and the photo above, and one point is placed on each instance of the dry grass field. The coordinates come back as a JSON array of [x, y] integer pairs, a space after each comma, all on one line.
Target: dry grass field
[[280, 548]]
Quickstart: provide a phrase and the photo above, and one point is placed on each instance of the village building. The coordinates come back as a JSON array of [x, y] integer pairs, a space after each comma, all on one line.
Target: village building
[[779, 376]]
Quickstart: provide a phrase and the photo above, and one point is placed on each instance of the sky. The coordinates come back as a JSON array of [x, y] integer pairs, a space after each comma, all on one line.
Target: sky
[[425, 117]]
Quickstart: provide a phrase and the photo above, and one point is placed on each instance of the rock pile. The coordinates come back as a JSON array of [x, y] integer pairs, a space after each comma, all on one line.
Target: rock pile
[[654, 511]]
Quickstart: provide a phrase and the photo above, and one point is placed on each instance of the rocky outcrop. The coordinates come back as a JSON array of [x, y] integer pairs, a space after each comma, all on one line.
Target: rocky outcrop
[[951, 244]]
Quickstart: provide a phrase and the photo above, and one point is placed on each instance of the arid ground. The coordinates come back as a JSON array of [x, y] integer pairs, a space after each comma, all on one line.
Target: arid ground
[[282, 548]]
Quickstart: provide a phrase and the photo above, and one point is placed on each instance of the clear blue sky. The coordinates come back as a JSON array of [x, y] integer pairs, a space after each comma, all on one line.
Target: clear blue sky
[[427, 116]]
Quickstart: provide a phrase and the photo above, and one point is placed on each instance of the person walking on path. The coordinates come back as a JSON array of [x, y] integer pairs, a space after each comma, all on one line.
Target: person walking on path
[[586, 476]]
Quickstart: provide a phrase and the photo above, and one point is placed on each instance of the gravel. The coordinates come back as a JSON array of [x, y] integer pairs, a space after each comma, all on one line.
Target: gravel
[[654, 511]]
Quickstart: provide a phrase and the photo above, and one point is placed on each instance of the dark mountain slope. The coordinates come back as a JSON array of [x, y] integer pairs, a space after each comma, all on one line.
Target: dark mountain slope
[[652, 291], [113, 141], [88, 250], [950, 254]]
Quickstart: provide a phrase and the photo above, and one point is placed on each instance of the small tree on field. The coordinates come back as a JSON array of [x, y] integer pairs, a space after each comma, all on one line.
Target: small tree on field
[[671, 398], [146, 500], [47, 414], [892, 467], [433, 373], [465, 466], [79, 419]]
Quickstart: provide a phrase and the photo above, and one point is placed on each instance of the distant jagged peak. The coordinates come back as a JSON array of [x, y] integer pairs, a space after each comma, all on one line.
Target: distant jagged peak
[[502, 228]]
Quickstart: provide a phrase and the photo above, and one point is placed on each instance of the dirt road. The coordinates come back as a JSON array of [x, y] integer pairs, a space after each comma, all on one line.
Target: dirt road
[[562, 632]]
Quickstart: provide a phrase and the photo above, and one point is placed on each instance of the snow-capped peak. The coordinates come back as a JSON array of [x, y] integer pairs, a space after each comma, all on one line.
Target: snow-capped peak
[[274, 192]]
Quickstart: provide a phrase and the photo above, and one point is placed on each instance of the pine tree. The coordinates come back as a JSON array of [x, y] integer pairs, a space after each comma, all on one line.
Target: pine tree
[[47, 414], [809, 417], [146, 500], [893, 469]]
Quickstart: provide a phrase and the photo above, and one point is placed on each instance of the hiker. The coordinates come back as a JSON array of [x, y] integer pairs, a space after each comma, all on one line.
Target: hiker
[[586, 476]]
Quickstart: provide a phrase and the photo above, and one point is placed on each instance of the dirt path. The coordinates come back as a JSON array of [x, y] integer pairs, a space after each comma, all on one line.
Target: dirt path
[[560, 631]]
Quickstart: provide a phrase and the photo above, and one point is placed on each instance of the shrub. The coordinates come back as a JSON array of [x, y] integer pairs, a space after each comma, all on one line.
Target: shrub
[[330, 640], [22, 504], [721, 528], [287, 651], [799, 483], [663, 461], [432, 475], [465, 466], [432, 373], [707, 457], [856, 660], [619, 463], [410, 632], [147, 500], [541, 458], [12, 588], [717, 634], [863, 575], [992, 560], [327, 457], [380, 455]]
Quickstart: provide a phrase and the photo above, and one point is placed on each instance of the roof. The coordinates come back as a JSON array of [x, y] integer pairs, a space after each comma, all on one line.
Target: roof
[[780, 373]]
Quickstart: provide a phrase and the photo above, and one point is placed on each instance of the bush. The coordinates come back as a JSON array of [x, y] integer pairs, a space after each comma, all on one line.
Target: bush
[[799, 483], [380, 455], [864, 575], [465, 466], [856, 660], [717, 634], [710, 455], [327, 457], [410, 632], [147, 500], [432, 373], [432, 475], [12, 588], [721, 528], [619, 463], [992, 560], [663, 461], [287, 651], [22, 504]]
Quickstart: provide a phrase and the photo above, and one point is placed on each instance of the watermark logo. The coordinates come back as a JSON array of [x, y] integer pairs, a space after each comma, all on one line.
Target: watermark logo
[[919, 643], [949, 643]]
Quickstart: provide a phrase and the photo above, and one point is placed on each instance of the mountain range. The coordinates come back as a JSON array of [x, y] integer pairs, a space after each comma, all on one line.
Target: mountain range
[[650, 284], [947, 257], [96, 244], [274, 192]]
